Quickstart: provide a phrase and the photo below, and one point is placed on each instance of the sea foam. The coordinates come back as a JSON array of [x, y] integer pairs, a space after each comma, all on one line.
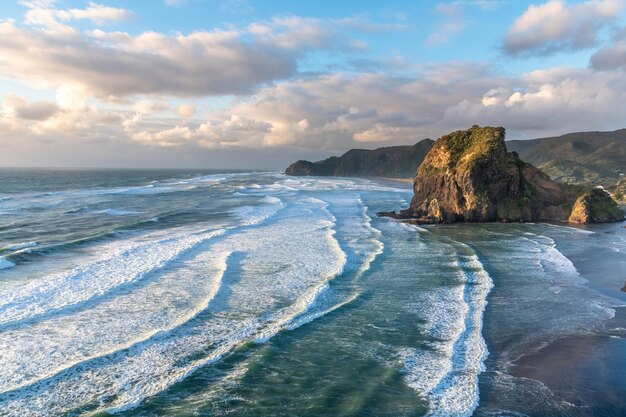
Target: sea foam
[[448, 374], [278, 270]]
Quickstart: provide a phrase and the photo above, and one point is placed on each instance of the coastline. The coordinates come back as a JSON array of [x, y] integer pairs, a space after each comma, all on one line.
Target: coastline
[[583, 370]]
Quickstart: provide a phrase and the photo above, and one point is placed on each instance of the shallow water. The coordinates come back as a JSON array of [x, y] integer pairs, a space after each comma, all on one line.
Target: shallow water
[[181, 293]]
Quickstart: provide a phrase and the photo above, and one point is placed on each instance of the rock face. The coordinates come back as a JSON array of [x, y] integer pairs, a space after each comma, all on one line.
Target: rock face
[[595, 206], [468, 176], [392, 162]]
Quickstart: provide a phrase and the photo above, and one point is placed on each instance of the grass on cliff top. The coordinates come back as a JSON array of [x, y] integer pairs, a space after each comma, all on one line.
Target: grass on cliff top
[[468, 146]]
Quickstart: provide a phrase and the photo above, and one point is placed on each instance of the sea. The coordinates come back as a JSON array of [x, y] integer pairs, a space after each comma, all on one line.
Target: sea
[[207, 293]]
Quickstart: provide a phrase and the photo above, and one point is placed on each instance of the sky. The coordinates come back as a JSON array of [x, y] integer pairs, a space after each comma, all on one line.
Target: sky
[[257, 84]]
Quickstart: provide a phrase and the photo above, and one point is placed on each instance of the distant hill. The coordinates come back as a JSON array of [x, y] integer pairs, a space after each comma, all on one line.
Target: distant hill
[[590, 158], [391, 162]]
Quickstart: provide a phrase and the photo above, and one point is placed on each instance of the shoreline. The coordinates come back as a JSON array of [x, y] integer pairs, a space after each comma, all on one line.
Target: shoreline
[[584, 370]]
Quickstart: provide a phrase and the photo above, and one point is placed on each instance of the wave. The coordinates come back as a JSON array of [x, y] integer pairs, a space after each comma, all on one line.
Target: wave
[[361, 243], [5, 263], [558, 267], [447, 375], [18, 246], [254, 215], [297, 255], [117, 212], [123, 263], [24, 358]]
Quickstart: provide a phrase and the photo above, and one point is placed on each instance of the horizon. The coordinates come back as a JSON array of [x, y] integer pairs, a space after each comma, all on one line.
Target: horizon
[[243, 85]]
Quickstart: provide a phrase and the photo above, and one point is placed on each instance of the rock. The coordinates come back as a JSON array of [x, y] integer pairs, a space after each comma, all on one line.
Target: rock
[[595, 206], [469, 176], [391, 162]]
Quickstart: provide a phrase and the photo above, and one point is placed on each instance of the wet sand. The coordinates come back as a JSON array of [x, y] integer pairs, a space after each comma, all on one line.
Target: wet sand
[[588, 371]]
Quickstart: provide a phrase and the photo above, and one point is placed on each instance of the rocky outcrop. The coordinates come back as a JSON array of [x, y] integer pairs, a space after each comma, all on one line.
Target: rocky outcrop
[[391, 162], [469, 176], [595, 206]]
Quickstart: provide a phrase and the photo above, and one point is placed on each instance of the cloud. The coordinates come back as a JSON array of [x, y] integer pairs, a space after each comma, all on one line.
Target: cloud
[[340, 111], [118, 64], [547, 102], [612, 56], [335, 112], [557, 26], [43, 13], [19, 107], [202, 63], [186, 110]]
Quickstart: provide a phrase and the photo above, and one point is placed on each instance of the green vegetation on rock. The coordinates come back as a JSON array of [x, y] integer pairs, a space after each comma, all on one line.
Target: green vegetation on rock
[[595, 206], [469, 176]]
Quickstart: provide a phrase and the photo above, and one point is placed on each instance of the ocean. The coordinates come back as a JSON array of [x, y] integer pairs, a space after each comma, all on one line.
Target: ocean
[[205, 293]]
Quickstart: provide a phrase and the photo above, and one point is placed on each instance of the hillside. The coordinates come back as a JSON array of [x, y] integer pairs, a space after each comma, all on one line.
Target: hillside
[[590, 158], [392, 162]]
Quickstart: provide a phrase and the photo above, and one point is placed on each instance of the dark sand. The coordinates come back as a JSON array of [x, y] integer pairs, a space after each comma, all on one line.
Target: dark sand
[[588, 371]]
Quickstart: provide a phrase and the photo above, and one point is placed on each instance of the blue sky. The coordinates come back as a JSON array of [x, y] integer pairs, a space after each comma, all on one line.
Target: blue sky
[[255, 84]]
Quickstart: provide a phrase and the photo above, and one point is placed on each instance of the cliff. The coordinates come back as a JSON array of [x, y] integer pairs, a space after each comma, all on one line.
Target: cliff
[[469, 176], [391, 162]]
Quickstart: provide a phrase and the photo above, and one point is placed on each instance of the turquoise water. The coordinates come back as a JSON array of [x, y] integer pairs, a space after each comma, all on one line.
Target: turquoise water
[[185, 293]]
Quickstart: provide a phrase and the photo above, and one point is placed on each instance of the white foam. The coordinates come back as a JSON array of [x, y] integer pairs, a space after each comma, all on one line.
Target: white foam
[[280, 269], [555, 264], [41, 350], [120, 263], [448, 375], [253, 215], [22, 245], [117, 212]]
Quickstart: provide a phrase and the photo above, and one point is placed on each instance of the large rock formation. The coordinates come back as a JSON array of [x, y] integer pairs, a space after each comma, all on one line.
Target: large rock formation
[[391, 162], [468, 176], [595, 206]]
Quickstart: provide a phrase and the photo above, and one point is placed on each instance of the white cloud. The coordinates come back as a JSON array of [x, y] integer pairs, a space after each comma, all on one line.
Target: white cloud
[[202, 63], [43, 13], [118, 64], [557, 26], [95, 12]]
